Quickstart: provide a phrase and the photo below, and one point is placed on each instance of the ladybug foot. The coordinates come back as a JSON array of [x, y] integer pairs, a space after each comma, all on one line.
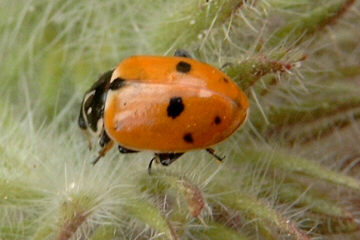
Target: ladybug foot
[[212, 152]]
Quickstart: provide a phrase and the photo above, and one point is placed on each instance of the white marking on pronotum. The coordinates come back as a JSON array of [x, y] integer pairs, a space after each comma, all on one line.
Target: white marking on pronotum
[[86, 97]]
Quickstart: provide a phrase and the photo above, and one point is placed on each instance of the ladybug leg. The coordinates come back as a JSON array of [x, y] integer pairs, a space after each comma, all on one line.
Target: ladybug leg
[[103, 151], [88, 138], [156, 158], [212, 152], [104, 139], [164, 158], [125, 150], [168, 158], [226, 65], [106, 143], [182, 53]]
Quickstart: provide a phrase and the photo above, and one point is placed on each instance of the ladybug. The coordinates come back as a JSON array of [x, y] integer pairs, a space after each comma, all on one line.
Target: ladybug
[[168, 105]]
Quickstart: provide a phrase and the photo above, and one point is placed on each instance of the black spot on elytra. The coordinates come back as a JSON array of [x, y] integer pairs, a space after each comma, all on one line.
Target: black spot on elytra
[[217, 120], [175, 107], [225, 80], [183, 67], [117, 83], [188, 138]]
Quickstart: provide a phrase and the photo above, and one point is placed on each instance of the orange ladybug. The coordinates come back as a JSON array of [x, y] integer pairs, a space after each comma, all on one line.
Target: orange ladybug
[[168, 105]]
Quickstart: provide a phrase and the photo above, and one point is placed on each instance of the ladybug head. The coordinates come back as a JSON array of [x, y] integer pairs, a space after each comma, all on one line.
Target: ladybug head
[[92, 106]]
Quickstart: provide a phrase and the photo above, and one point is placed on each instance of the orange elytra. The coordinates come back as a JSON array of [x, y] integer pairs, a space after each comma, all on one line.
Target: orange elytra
[[168, 105]]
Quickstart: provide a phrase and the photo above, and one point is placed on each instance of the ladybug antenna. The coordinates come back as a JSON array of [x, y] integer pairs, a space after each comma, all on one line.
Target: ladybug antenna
[[88, 138]]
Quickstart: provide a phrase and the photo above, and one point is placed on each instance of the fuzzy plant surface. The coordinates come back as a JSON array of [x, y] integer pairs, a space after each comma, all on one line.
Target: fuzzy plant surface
[[292, 172]]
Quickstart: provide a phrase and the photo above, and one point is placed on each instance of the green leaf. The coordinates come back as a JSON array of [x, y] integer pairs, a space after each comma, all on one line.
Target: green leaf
[[293, 164], [150, 215]]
